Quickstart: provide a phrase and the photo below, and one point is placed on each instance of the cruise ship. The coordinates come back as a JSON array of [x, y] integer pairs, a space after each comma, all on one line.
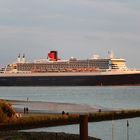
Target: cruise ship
[[52, 71]]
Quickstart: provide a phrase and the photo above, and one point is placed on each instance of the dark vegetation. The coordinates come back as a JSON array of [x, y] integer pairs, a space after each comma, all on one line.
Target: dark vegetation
[[7, 113], [40, 136]]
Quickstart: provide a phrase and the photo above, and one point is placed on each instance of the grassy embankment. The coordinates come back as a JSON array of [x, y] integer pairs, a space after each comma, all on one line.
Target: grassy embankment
[[9, 121]]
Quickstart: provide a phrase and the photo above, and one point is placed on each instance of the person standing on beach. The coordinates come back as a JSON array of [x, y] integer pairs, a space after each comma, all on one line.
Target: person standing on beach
[[27, 110]]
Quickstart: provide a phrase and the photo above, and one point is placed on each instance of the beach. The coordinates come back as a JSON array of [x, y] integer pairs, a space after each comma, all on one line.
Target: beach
[[40, 107]]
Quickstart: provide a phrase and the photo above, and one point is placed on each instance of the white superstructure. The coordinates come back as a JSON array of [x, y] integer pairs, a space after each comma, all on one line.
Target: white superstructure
[[53, 64]]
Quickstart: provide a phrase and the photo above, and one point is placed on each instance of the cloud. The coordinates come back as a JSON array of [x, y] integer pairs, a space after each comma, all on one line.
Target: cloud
[[69, 26]]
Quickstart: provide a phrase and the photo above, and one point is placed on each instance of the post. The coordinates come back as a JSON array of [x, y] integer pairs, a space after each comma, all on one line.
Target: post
[[83, 127], [113, 126], [112, 129], [127, 130]]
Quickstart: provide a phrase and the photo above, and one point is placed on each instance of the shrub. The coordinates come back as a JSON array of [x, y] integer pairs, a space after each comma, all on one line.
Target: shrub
[[6, 111]]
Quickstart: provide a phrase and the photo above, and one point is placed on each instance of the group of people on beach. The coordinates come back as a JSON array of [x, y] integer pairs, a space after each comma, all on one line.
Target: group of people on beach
[[26, 110], [63, 113]]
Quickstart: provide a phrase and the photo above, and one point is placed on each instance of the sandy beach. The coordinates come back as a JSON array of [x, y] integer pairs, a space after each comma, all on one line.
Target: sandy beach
[[53, 107]]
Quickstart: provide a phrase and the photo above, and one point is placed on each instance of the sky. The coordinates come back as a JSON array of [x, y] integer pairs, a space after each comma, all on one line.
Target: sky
[[78, 28]]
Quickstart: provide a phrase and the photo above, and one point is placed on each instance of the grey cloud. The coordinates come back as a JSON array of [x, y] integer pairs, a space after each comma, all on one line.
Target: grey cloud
[[69, 26]]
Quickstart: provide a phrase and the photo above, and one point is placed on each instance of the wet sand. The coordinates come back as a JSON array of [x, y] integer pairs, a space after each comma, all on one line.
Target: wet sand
[[53, 107]]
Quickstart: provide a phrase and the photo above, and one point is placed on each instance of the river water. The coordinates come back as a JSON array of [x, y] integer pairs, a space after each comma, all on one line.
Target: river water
[[117, 97]]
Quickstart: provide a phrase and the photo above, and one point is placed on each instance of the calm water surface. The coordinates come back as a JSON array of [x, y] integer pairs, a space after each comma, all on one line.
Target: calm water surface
[[109, 97]]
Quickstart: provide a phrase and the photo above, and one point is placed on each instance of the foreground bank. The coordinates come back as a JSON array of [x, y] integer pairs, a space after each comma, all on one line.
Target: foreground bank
[[38, 121], [40, 136]]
